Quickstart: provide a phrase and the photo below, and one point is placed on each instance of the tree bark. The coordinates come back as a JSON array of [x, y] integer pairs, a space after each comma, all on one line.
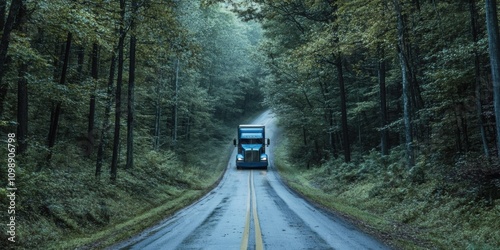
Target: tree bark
[[384, 147], [403, 61], [105, 122], [343, 107], [130, 105], [119, 78], [494, 50], [131, 87], [95, 77], [3, 7], [8, 26]]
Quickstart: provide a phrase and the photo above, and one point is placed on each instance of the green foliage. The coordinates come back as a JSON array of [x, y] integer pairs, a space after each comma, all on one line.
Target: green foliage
[[64, 203], [378, 194], [303, 41], [195, 65], [228, 72], [199, 66]]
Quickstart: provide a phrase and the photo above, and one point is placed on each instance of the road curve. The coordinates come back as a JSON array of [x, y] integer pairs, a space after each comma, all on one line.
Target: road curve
[[252, 209]]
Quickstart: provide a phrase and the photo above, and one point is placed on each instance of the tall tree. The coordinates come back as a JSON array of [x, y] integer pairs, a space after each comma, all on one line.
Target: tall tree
[[105, 122], [131, 87], [3, 7], [118, 94], [95, 77], [343, 109], [403, 61], [477, 75], [494, 50], [8, 26], [384, 137]]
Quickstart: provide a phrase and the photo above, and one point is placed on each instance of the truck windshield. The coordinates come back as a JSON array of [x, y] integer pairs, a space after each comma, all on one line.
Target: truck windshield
[[252, 141]]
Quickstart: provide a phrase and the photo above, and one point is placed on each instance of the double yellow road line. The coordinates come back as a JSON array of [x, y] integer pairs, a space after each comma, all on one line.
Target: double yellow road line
[[252, 202]]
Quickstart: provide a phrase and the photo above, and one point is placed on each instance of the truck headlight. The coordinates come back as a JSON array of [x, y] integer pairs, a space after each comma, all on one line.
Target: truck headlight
[[239, 158], [263, 157]]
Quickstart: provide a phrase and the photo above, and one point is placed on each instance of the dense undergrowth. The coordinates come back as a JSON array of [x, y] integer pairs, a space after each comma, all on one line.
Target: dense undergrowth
[[62, 205], [429, 207]]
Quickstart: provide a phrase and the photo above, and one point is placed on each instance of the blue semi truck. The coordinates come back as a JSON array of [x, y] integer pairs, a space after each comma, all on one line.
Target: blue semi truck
[[251, 145]]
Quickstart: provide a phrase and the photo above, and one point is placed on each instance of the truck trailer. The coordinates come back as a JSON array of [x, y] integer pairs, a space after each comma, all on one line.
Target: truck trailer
[[251, 145]]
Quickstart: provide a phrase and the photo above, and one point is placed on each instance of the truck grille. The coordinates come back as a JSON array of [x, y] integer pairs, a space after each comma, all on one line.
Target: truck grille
[[252, 155]]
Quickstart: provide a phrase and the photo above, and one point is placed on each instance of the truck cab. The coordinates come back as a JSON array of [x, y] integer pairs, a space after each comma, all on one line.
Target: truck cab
[[251, 144]]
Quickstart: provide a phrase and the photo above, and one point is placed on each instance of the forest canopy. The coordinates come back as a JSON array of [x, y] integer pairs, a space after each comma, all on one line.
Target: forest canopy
[[113, 105], [355, 76], [80, 72]]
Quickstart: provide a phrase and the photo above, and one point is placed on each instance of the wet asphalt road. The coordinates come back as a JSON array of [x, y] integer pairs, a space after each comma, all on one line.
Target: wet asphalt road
[[252, 209]]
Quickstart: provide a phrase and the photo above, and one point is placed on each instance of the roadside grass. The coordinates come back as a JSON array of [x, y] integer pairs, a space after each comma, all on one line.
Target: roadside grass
[[378, 196], [63, 206]]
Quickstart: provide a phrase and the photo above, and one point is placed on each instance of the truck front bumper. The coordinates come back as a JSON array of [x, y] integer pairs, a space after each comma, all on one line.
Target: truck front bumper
[[242, 164]]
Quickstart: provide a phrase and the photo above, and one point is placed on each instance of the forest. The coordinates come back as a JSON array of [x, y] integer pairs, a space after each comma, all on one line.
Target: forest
[[117, 107], [391, 107], [122, 108]]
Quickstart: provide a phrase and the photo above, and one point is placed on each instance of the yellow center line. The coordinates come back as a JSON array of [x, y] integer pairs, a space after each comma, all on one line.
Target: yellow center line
[[246, 232], [252, 198], [258, 235]]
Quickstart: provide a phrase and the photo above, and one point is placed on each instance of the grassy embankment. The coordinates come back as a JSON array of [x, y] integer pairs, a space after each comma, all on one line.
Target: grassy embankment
[[378, 196], [63, 206]]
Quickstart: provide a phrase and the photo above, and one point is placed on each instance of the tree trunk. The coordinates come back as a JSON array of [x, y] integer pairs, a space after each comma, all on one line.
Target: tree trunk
[[494, 49], [403, 60], [130, 105], [343, 107], [119, 78], [105, 122], [15, 7], [384, 148], [477, 77], [131, 87], [62, 80], [3, 7], [95, 77]]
